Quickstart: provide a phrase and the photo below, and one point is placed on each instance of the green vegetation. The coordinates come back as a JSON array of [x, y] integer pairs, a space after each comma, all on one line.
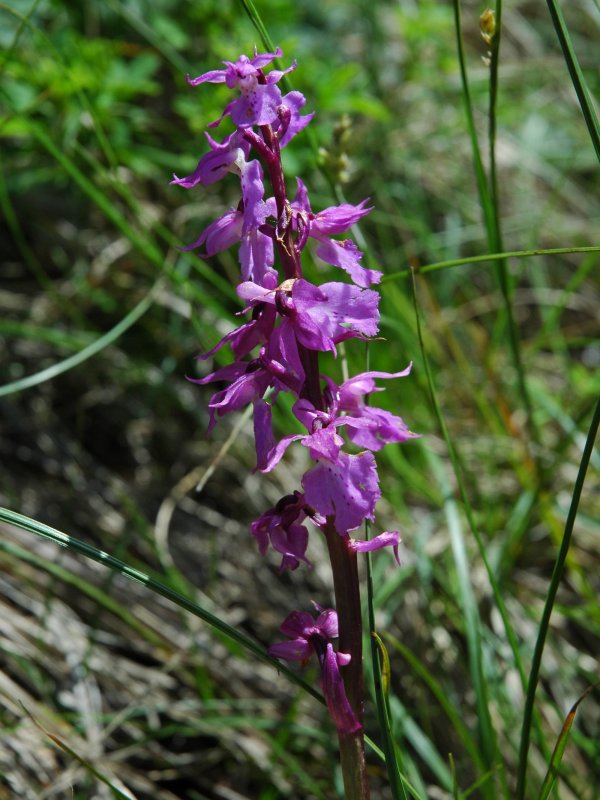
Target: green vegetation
[[143, 674]]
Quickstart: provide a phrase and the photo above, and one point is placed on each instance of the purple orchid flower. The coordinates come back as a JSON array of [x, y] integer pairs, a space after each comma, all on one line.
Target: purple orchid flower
[[252, 333], [228, 156], [259, 99], [256, 249], [278, 366], [291, 322], [310, 636], [319, 317], [329, 222], [322, 440], [220, 234], [243, 225], [367, 426]]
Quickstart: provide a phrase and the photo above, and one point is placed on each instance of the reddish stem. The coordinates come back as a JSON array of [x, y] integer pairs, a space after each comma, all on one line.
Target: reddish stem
[[347, 600]]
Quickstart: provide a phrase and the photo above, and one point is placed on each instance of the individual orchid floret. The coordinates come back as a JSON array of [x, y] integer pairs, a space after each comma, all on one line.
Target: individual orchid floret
[[322, 441], [320, 317], [243, 225], [277, 367], [260, 97], [282, 527], [228, 156], [220, 234], [367, 426], [330, 222], [256, 331], [310, 636], [245, 338], [256, 248]]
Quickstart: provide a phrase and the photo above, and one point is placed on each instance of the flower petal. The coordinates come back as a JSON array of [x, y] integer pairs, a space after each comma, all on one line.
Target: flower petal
[[385, 539], [296, 650], [338, 704]]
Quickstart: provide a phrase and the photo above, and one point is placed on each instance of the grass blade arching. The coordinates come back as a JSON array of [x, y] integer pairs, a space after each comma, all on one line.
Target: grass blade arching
[[87, 352], [457, 262], [101, 557]]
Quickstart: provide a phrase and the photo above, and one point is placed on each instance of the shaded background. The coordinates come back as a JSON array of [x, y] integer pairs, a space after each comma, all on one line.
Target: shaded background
[[95, 115]]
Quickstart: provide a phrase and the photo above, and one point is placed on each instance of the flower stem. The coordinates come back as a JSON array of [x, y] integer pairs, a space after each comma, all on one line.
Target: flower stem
[[347, 600], [284, 237]]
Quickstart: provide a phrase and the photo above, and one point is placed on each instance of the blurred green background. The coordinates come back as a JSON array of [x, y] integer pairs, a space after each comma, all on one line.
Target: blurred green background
[[102, 436]]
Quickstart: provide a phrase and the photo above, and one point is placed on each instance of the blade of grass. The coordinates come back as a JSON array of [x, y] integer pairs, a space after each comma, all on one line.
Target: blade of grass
[[81, 760], [560, 746], [577, 77], [549, 604], [101, 557], [487, 733], [87, 352], [393, 759], [438, 691], [494, 230], [457, 262], [482, 186]]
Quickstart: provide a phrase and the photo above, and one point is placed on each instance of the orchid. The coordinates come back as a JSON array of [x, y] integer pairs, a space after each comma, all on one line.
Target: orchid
[[292, 321], [228, 156]]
